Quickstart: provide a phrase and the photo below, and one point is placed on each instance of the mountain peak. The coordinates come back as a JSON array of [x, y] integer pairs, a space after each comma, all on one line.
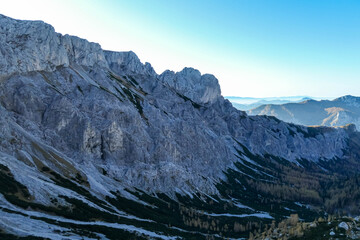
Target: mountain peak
[[189, 82], [347, 98], [35, 46]]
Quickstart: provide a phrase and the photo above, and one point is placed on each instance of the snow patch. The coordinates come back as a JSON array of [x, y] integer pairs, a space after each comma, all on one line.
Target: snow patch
[[344, 225]]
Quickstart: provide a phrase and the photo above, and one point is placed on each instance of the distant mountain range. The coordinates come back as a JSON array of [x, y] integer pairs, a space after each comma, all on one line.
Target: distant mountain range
[[338, 112], [247, 103]]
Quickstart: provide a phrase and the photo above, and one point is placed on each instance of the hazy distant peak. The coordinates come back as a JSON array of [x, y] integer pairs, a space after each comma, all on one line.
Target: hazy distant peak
[[347, 98], [338, 112], [306, 99]]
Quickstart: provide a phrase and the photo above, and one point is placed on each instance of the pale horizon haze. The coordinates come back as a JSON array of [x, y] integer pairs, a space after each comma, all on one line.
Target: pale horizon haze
[[256, 48]]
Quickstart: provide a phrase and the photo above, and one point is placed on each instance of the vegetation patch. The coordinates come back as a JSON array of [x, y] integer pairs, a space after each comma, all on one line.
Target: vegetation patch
[[80, 90], [9, 186], [8, 236], [56, 161], [108, 91], [195, 105]]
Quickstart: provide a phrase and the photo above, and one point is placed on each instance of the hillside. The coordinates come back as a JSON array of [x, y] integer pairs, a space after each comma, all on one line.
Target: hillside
[[95, 144], [338, 112]]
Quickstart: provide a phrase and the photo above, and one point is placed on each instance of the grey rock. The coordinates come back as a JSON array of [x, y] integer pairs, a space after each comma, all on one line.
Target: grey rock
[[106, 110], [189, 82], [29, 46], [128, 62], [82, 52]]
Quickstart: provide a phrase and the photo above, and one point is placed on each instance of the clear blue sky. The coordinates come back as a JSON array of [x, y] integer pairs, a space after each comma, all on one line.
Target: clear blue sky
[[256, 48]]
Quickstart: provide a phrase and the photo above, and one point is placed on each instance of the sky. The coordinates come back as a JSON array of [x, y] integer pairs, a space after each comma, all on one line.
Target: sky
[[256, 48]]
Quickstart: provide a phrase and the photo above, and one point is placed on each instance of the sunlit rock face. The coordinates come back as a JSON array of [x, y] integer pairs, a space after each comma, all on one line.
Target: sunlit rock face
[[128, 62], [82, 52], [29, 46], [189, 82], [168, 132]]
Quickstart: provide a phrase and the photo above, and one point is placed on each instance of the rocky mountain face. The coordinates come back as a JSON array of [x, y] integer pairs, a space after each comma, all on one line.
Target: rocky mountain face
[[338, 112], [96, 144]]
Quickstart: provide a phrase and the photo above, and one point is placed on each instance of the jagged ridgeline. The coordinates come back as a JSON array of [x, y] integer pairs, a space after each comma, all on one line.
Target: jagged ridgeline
[[96, 144]]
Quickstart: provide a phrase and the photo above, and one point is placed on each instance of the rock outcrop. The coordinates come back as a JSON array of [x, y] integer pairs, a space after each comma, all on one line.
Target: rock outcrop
[[128, 62], [189, 82], [29, 46]]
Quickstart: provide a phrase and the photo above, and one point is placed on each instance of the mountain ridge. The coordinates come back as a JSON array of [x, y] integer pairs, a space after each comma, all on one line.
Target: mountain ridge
[[89, 134], [246, 103], [340, 111]]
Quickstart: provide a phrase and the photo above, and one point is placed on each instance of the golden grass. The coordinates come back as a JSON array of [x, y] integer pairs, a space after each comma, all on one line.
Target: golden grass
[[54, 160]]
